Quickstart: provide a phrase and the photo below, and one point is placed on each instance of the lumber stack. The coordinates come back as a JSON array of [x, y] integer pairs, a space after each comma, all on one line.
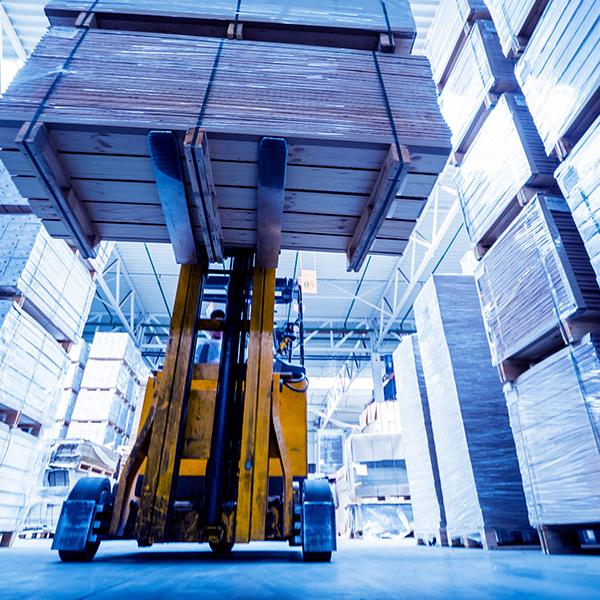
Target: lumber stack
[[479, 471], [419, 448], [355, 24], [515, 21], [448, 33], [330, 104], [555, 416], [536, 282], [579, 180], [506, 156], [559, 72], [479, 75]]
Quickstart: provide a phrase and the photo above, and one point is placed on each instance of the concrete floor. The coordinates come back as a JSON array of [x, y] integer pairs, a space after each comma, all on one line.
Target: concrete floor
[[360, 569]]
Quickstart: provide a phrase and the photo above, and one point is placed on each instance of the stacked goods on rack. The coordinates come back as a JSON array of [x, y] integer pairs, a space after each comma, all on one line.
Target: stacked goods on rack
[[11, 202], [419, 448], [579, 180], [515, 20], [376, 465], [559, 72], [348, 110], [110, 391], [78, 356], [506, 156], [381, 417], [330, 451], [555, 415], [54, 285], [32, 365], [357, 24], [448, 33], [536, 283], [479, 74], [479, 471]]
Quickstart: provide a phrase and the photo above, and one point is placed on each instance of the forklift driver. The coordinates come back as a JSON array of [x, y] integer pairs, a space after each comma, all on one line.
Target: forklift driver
[[209, 350]]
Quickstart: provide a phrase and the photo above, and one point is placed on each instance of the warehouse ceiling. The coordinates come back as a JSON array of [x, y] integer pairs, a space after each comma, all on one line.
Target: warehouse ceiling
[[351, 315]]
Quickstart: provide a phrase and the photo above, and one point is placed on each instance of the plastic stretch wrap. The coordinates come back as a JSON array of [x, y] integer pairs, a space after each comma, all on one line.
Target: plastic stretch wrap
[[118, 347], [330, 448], [446, 33], [559, 71], [350, 14], [579, 180], [506, 155], [57, 287], [479, 471], [99, 405], [534, 277], [107, 374], [377, 466], [514, 20], [381, 417], [555, 415], [480, 69], [103, 433], [419, 448], [381, 520]]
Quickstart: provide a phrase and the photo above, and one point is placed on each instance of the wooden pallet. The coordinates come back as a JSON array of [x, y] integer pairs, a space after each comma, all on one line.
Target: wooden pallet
[[385, 26], [495, 539], [100, 155], [436, 538], [569, 539]]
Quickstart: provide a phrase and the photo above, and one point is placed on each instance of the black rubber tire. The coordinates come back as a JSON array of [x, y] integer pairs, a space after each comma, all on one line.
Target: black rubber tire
[[221, 548], [88, 488], [86, 555], [316, 556]]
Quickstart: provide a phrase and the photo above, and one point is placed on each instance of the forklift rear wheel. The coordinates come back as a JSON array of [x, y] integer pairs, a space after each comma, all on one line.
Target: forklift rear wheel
[[89, 488], [221, 548]]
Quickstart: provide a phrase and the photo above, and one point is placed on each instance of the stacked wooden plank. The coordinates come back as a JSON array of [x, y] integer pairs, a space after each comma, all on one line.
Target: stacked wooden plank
[[515, 20], [330, 104], [109, 394], [479, 74], [51, 281], [555, 415], [506, 156], [448, 33], [419, 448], [559, 72], [479, 471], [353, 24], [536, 282], [579, 180]]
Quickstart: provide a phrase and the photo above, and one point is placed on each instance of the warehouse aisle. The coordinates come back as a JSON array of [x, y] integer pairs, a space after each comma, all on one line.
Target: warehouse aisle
[[272, 571]]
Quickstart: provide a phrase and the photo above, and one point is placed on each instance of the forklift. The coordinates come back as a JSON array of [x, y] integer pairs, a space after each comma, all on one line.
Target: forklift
[[221, 451]]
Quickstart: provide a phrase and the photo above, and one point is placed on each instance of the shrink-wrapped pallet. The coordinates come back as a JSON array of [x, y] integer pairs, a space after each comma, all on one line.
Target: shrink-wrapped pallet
[[579, 180], [107, 374], [114, 346], [515, 20], [99, 405], [506, 155], [555, 415], [376, 465], [479, 471], [535, 279], [56, 287], [559, 71], [447, 33], [479, 73], [32, 366], [419, 448], [352, 23], [103, 433], [345, 114]]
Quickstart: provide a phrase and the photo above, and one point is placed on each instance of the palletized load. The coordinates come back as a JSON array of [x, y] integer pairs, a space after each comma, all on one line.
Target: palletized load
[[506, 156], [479, 74], [555, 415], [479, 471], [559, 72], [349, 24], [348, 117], [536, 283], [419, 448], [579, 180], [54, 284]]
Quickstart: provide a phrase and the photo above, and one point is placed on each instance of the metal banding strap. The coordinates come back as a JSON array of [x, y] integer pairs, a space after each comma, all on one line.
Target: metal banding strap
[[387, 22], [236, 19], [211, 79]]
